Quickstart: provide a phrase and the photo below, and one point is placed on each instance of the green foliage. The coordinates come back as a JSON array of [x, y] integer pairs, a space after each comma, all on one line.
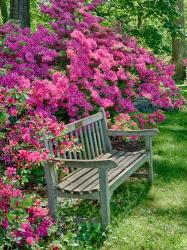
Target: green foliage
[[152, 22], [37, 18]]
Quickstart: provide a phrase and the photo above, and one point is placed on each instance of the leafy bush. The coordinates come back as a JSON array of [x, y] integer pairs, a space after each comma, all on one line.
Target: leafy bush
[[22, 221], [100, 68]]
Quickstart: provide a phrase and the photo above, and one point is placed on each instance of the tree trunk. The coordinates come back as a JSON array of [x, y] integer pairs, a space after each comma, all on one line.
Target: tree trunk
[[20, 11], [4, 11], [139, 20], [178, 46]]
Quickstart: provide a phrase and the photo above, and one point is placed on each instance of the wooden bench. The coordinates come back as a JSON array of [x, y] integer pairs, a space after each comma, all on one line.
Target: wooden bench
[[99, 168]]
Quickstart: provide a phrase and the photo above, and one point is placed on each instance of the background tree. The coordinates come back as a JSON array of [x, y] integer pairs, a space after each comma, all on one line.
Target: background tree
[[178, 44], [4, 10], [155, 23], [20, 11]]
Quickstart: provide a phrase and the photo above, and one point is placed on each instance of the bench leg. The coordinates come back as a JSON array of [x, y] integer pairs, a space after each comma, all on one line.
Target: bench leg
[[150, 174], [104, 199], [50, 175], [105, 210], [52, 204], [148, 143]]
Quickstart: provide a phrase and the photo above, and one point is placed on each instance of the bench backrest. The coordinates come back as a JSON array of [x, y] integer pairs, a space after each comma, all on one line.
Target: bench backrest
[[91, 133]]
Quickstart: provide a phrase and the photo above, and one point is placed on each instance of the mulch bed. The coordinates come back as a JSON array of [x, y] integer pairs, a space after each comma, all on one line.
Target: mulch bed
[[131, 146]]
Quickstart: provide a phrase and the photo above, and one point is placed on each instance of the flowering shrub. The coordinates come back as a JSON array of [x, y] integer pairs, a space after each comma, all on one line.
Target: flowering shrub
[[22, 222], [124, 122], [100, 68], [23, 129], [149, 120]]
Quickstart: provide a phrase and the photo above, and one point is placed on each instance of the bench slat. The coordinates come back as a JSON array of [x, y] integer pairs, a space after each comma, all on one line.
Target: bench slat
[[102, 137], [128, 171], [83, 143], [87, 143], [78, 141], [91, 141], [98, 138], [83, 122], [95, 186], [87, 180], [86, 177], [74, 177], [95, 142]]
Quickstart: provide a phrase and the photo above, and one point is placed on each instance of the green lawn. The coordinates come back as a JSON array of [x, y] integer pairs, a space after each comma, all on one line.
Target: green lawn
[[157, 219], [145, 218]]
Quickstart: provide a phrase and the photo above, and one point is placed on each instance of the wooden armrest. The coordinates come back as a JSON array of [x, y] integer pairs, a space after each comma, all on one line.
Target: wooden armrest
[[95, 163], [144, 133]]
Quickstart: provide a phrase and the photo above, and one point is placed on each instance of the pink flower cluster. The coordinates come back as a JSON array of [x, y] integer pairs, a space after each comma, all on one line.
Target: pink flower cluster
[[149, 120], [20, 223], [124, 122], [24, 130]]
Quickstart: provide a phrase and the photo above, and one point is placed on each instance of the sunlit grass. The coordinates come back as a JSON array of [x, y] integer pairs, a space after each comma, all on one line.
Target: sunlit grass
[[159, 221]]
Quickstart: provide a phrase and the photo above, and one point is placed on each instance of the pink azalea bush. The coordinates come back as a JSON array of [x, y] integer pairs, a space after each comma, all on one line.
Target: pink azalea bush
[[23, 128], [23, 223], [101, 68]]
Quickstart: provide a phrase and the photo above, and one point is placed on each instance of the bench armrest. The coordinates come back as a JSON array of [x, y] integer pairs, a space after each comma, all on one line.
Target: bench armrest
[[95, 163], [144, 133]]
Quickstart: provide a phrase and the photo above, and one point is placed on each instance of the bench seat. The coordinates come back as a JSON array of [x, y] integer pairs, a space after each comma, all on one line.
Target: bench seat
[[84, 181]]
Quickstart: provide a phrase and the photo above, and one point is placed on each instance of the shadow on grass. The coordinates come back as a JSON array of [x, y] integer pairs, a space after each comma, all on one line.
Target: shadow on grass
[[172, 213], [125, 198], [167, 171]]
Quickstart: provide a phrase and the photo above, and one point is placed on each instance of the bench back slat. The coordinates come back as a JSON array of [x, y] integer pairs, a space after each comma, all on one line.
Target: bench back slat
[[95, 142], [83, 122], [98, 137], [83, 153], [90, 132], [87, 144]]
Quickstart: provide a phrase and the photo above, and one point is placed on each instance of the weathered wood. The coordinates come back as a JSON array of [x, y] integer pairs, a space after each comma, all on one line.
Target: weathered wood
[[87, 144], [104, 197], [51, 179], [97, 169], [105, 128], [87, 180], [116, 182], [91, 142], [98, 137], [82, 143], [95, 141], [78, 141], [96, 163], [146, 132], [148, 145], [102, 137], [83, 122]]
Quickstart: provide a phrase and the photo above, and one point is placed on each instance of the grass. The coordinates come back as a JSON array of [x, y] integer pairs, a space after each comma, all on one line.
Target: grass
[[144, 218], [159, 220]]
